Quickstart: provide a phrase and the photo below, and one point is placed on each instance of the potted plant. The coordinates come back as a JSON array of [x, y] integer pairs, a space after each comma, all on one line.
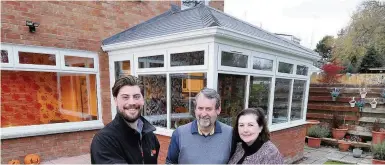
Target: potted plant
[[352, 102], [360, 104], [343, 145], [357, 152], [378, 151], [338, 129], [363, 92], [310, 123], [383, 93], [373, 103], [315, 133], [378, 133], [335, 92]]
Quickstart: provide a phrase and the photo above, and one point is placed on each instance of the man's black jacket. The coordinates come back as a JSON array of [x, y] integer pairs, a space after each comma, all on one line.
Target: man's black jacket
[[117, 143]]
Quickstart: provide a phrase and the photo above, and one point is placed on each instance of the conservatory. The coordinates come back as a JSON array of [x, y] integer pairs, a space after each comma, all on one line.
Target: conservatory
[[179, 52]]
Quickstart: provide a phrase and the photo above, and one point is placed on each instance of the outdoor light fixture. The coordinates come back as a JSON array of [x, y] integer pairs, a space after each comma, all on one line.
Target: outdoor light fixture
[[32, 26]]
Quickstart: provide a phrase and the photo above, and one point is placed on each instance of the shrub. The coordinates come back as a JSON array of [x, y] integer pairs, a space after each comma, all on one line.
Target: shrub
[[379, 151], [317, 131]]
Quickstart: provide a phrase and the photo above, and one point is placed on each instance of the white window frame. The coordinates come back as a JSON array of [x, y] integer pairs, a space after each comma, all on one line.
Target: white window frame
[[9, 49], [44, 129], [230, 49], [266, 57], [305, 65], [79, 54], [186, 49], [149, 54]]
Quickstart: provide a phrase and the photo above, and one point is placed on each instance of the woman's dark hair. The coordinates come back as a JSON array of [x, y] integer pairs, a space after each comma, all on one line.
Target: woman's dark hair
[[261, 120]]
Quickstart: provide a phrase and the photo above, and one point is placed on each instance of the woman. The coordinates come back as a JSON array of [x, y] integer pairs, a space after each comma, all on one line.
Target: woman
[[251, 140]]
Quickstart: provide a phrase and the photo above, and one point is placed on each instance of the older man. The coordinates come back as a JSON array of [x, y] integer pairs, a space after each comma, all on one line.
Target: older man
[[205, 140]]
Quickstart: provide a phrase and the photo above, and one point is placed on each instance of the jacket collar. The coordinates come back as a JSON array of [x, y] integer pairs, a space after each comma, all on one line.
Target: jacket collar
[[121, 122], [194, 127]]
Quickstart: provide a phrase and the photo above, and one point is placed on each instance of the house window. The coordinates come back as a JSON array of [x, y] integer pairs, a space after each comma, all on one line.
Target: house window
[[259, 93], [262, 64], [285, 68], [231, 88], [187, 58], [122, 68], [297, 105], [302, 70], [281, 100], [4, 56], [81, 62], [234, 59], [37, 58], [151, 61], [184, 88], [155, 97]]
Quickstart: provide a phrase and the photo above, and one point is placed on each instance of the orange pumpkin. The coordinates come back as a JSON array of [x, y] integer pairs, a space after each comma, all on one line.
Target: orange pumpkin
[[32, 159], [14, 162]]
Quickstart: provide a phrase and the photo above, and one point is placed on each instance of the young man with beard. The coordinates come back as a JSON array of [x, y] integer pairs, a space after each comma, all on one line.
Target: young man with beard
[[205, 140], [129, 138]]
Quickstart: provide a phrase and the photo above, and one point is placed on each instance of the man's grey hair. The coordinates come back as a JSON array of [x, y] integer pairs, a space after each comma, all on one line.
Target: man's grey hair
[[210, 94]]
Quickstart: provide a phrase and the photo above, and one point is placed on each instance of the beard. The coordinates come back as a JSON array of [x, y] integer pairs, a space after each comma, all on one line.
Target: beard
[[128, 116], [204, 122]]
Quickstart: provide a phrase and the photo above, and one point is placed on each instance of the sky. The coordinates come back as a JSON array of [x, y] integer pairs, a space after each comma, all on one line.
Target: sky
[[309, 20]]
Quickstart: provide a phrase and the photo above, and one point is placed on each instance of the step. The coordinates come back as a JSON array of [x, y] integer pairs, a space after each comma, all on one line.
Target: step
[[376, 110], [329, 116], [354, 144], [332, 108], [361, 131], [371, 120], [320, 85]]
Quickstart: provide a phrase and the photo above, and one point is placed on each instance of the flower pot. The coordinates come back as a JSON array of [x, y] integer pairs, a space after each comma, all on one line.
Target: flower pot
[[357, 153], [352, 104], [378, 137], [310, 123], [334, 98], [339, 133], [343, 145], [373, 105], [375, 161], [313, 142]]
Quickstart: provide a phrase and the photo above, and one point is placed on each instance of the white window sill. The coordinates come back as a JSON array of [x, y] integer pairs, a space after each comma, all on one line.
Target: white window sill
[[164, 131], [45, 129]]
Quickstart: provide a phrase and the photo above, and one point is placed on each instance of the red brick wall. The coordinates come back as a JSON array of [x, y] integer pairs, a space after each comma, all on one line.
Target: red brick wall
[[70, 25], [217, 4]]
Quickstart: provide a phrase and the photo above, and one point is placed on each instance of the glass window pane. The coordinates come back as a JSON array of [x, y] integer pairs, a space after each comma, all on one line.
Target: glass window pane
[[260, 93], [155, 95], [285, 67], [81, 62], [231, 88], [262, 64], [47, 97], [188, 58], [302, 70], [37, 58], [234, 60], [122, 68], [4, 56], [298, 99], [281, 100], [184, 87], [151, 61]]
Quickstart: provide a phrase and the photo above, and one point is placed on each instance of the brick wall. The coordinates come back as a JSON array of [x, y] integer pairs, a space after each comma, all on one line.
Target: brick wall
[[218, 4]]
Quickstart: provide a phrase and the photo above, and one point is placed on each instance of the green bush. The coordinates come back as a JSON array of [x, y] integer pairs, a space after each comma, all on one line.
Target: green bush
[[317, 131], [379, 151]]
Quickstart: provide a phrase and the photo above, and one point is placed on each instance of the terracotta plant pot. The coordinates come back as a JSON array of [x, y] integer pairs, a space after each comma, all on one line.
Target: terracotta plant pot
[[339, 133], [313, 142], [310, 123], [378, 137], [375, 161], [343, 145]]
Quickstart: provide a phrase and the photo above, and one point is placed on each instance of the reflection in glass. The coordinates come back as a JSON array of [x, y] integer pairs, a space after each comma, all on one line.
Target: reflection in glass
[[231, 88], [151, 61], [281, 100], [4, 56], [122, 68], [234, 60], [262, 64], [82, 62], [260, 93], [155, 97], [285, 67], [302, 70], [298, 99], [37, 58], [184, 87], [188, 58]]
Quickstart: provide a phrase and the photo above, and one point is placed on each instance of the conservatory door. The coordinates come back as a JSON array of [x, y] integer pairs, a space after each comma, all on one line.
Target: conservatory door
[[120, 65]]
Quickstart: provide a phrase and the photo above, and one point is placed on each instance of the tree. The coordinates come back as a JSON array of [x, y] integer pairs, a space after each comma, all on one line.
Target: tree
[[370, 60], [192, 3], [325, 46]]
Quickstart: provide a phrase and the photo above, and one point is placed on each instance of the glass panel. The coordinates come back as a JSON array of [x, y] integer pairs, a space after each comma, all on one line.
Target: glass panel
[[37, 58], [260, 93], [155, 95], [122, 68], [285, 67], [81, 62], [302, 70], [262, 64], [234, 60], [4, 56], [298, 99], [231, 88], [281, 100], [184, 88], [151, 61], [188, 58], [39, 98]]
